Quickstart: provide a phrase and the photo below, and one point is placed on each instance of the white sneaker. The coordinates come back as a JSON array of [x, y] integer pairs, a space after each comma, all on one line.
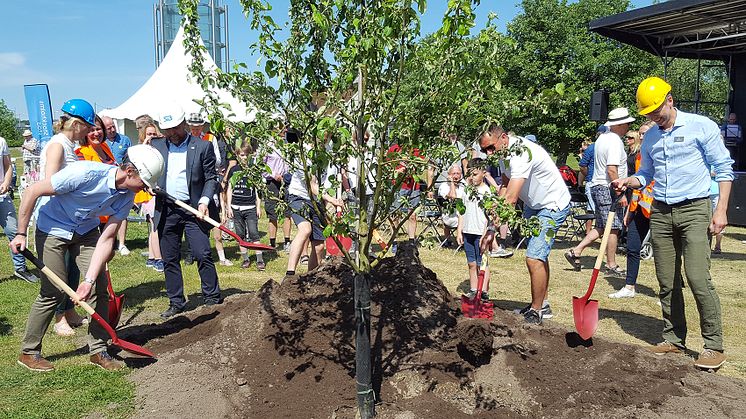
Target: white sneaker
[[623, 292], [226, 262], [123, 250], [501, 252]]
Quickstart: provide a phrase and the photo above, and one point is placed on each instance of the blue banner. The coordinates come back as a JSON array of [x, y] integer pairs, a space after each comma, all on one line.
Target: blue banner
[[39, 111]]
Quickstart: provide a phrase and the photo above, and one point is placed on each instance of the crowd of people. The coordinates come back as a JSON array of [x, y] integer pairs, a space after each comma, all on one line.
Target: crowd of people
[[672, 179]]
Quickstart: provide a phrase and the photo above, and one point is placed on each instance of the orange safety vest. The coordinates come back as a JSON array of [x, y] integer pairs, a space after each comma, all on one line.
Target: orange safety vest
[[642, 198], [87, 152]]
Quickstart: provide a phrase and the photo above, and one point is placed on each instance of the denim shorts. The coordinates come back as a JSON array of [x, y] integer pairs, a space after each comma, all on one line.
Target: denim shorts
[[471, 248], [406, 200], [538, 247], [602, 199], [303, 212]]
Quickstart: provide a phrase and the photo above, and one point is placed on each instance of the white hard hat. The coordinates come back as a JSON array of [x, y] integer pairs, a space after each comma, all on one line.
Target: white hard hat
[[170, 116], [149, 163]]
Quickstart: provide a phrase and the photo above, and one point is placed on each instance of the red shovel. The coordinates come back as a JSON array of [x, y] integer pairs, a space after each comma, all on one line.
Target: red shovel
[[475, 308], [59, 283], [585, 310], [241, 242], [115, 301]]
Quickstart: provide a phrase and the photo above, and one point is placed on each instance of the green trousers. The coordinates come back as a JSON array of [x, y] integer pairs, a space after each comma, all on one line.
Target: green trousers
[[51, 251], [680, 232]]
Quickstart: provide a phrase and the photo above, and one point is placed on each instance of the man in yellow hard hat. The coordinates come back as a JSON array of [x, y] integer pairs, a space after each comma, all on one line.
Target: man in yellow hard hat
[[678, 155]]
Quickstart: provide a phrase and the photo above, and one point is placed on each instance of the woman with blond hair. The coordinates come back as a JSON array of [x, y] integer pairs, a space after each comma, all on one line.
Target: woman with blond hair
[[633, 142]]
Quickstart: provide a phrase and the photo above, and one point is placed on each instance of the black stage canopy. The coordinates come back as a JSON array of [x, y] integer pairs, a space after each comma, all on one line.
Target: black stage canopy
[[707, 29]]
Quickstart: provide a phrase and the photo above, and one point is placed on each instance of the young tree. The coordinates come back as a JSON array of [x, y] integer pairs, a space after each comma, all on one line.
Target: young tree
[[549, 43], [335, 72]]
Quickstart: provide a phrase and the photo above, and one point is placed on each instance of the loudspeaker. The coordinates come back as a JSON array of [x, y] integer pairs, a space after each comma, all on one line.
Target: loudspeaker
[[737, 202], [599, 105]]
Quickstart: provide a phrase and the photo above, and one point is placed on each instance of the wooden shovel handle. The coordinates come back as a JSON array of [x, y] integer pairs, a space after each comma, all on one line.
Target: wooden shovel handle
[[58, 282], [196, 213]]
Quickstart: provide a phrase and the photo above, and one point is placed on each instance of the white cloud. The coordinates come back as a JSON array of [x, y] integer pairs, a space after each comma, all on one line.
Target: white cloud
[[16, 72], [9, 60]]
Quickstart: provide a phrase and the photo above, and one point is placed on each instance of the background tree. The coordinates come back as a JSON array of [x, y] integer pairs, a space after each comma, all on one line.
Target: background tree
[[9, 126], [549, 43]]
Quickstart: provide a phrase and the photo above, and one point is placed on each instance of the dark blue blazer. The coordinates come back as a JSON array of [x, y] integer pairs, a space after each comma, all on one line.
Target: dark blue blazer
[[202, 176]]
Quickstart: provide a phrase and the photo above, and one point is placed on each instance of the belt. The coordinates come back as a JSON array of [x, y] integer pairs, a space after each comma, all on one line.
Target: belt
[[685, 202]]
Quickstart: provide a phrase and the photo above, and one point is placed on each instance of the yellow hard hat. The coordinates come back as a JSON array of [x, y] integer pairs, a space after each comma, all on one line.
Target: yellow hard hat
[[651, 93]]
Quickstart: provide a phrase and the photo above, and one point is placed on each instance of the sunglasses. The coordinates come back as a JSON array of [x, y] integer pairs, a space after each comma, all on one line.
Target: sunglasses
[[488, 149], [629, 137]]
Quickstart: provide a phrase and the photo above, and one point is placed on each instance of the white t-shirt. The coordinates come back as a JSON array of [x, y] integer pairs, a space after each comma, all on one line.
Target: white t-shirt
[[544, 187], [352, 173], [445, 188], [3, 152], [68, 152], [474, 220], [451, 220], [609, 151]]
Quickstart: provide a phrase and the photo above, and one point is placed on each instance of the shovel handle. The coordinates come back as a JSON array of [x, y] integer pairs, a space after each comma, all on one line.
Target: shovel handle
[[198, 214], [58, 282], [226, 230], [604, 242]]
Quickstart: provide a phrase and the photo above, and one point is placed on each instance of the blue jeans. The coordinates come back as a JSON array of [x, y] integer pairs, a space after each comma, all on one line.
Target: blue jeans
[[539, 246], [9, 223], [637, 229]]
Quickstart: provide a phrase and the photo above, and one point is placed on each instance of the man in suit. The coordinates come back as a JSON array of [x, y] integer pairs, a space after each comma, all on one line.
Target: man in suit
[[191, 177]]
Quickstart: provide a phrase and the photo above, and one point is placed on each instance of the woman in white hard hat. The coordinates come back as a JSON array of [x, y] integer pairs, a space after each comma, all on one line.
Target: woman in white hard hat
[[68, 222]]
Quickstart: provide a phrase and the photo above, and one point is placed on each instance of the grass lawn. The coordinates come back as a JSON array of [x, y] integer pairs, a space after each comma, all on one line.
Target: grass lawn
[[77, 388]]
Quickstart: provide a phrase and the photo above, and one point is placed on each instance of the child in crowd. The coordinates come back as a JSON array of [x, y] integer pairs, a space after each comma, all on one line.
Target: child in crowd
[[244, 205], [473, 224]]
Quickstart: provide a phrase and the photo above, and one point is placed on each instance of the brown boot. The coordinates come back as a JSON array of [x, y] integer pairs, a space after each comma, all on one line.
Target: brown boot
[[35, 362], [105, 361]]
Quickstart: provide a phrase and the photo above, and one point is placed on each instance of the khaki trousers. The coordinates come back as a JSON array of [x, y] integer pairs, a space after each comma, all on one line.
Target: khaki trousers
[[51, 250], [681, 232]]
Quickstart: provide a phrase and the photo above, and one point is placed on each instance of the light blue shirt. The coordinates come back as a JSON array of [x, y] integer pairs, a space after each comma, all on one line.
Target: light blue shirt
[[119, 146], [84, 191], [176, 175], [679, 160]]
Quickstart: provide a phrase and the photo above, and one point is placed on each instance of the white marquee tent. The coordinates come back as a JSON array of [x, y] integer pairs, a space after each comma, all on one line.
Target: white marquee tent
[[172, 82]]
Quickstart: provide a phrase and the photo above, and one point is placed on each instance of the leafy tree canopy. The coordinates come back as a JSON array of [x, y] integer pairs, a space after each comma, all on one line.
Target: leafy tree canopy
[[8, 126]]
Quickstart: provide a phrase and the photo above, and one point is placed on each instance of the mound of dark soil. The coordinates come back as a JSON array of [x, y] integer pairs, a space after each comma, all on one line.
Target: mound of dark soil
[[288, 351]]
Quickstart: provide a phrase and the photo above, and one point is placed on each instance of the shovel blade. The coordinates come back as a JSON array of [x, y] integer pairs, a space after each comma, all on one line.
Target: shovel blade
[[331, 246], [122, 344], [585, 313], [476, 308]]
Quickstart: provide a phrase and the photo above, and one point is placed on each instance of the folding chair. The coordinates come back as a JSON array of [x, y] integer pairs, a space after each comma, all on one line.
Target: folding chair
[[579, 215], [429, 214]]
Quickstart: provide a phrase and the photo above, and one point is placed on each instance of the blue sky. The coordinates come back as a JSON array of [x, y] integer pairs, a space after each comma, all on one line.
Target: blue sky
[[103, 50]]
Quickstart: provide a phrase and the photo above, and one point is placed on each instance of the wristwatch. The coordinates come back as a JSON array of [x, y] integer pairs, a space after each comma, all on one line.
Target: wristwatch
[[89, 280]]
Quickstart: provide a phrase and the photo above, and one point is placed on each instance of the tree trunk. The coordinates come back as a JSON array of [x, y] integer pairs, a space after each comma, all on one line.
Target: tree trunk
[[365, 394]]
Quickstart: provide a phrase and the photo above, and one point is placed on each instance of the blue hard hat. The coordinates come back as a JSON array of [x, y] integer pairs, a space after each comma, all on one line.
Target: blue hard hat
[[81, 109]]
